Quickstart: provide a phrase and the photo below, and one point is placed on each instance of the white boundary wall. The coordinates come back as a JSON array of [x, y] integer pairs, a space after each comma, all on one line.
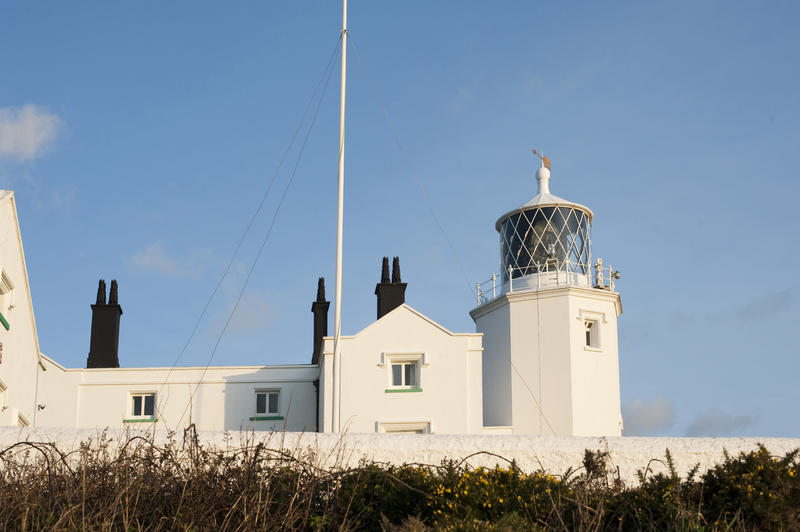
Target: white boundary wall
[[553, 454]]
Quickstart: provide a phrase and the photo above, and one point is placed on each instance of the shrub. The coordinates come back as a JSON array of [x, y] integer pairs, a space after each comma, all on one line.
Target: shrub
[[140, 485]]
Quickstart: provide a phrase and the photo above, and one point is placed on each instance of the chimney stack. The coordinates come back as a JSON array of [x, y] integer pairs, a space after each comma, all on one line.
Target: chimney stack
[[390, 294], [320, 310], [104, 342]]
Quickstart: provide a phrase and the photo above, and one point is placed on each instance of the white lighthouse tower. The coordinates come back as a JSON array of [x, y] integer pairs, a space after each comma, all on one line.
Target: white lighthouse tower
[[550, 361]]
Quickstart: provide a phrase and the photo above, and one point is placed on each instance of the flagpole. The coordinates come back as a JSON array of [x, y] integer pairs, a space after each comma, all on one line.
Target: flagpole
[[337, 309]]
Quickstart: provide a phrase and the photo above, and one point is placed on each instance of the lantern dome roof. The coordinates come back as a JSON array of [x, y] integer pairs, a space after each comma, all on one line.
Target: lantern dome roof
[[545, 199]]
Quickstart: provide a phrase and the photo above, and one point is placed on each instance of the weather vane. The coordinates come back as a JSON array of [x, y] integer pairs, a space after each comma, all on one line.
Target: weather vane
[[545, 159]]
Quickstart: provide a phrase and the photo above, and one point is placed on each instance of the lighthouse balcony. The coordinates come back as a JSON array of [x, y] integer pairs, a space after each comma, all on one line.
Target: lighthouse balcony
[[543, 277]]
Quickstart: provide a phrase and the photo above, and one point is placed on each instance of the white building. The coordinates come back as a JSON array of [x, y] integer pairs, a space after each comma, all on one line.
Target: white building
[[543, 360], [171, 397]]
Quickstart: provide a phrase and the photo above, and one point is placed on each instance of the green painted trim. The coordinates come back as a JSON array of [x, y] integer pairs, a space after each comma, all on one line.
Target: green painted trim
[[402, 390], [266, 418], [145, 420], [4, 322]]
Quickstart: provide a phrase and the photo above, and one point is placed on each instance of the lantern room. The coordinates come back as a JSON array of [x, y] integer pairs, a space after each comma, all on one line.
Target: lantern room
[[548, 237]]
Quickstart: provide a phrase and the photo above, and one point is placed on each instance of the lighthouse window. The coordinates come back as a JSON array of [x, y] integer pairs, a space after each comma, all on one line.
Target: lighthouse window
[[592, 331]]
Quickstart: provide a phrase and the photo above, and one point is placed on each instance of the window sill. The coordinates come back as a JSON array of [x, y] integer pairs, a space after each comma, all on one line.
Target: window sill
[[266, 418], [402, 390], [142, 420], [595, 349]]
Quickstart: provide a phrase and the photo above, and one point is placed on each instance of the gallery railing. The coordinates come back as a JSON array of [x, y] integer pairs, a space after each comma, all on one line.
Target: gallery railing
[[546, 275]]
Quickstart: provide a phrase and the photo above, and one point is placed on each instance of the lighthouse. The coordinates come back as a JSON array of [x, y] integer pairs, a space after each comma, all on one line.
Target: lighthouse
[[549, 324]]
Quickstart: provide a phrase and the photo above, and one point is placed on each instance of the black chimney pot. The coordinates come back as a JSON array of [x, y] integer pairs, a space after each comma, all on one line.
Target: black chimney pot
[[113, 297], [101, 293], [395, 271], [385, 271]]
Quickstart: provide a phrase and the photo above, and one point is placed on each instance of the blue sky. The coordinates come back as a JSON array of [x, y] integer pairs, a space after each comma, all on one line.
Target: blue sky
[[140, 137]]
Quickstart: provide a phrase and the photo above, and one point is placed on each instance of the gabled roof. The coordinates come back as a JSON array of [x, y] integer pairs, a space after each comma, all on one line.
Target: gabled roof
[[406, 308]]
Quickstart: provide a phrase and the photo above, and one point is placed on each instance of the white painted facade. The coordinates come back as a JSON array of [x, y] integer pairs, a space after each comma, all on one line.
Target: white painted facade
[[219, 398], [445, 398], [536, 354], [19, 344]]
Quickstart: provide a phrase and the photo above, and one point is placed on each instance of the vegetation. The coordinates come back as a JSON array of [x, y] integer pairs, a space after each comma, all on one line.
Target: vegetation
[[140, 485]]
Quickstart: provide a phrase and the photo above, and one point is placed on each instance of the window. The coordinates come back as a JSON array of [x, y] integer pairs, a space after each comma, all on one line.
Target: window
[[6, 299], [592, 330], [143, 405], [266, 403], [404, 371], [405, 431], [404, 374], [412, 427]]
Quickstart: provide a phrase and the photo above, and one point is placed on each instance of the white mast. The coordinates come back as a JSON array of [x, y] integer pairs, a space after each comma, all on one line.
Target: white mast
[[337, 309]]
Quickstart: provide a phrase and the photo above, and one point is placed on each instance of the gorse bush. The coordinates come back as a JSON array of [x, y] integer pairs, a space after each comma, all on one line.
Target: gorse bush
[[140, 485]]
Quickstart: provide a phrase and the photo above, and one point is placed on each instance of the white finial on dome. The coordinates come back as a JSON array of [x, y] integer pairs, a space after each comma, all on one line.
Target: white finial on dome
[[543, 177], [543, 173]]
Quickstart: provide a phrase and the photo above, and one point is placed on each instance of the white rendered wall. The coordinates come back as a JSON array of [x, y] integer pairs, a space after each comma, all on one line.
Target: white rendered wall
[[88, 398], [450, 376], [533, 380], [58, 393], [595, 372], [18, 369], [557, 387], [552, 454], [540, 352], [496, 366]]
